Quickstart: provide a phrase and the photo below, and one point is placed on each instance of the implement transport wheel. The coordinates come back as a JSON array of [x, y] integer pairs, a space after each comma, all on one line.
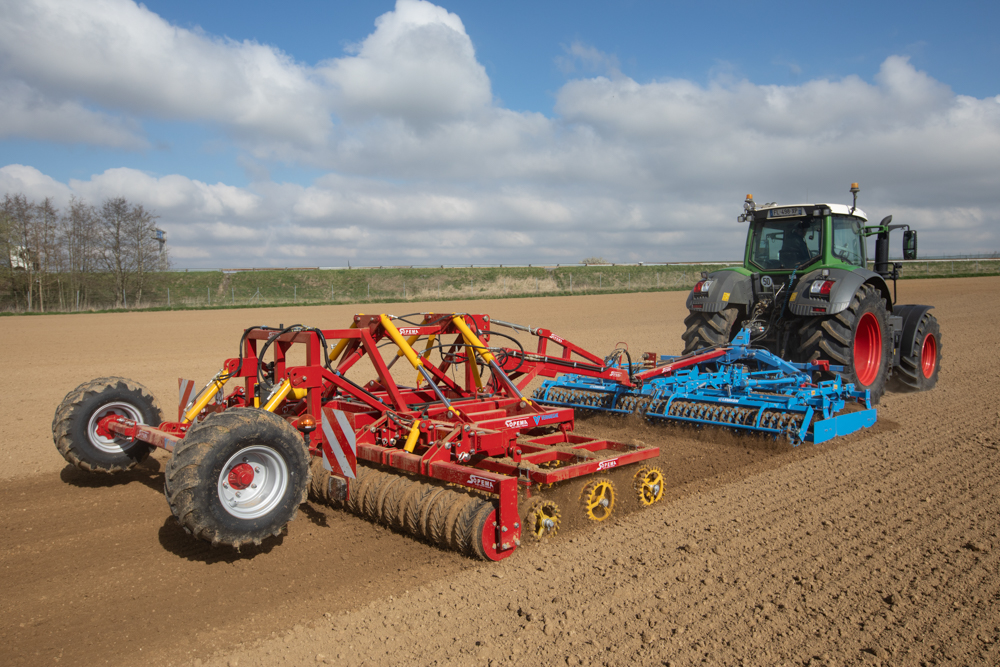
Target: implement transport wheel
[[856, 338], [648, 485], [709, 329], [542, 519], [598, 499], [239, 477], [82, 439], [919, 365]]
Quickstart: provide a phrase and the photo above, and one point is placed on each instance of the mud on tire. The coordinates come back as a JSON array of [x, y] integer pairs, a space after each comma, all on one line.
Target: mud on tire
[[709, 329], [75, 424], [238, 478], [918, 366], [856, 338]]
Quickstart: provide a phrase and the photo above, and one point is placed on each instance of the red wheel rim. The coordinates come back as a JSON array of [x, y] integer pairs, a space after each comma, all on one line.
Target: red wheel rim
[[867, 349], [928, 356], [489, 537]]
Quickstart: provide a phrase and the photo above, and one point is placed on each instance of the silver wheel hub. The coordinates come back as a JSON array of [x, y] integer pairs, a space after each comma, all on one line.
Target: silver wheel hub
[[253, 482], [111, 443]]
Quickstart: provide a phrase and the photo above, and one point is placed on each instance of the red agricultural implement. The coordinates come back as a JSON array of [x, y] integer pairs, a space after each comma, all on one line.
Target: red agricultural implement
[[461, 458]]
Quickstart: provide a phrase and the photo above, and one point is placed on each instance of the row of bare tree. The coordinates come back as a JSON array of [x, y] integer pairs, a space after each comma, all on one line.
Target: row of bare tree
[[51, 260]]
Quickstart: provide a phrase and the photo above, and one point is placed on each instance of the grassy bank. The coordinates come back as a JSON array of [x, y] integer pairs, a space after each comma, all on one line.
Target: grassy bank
[[176, 290]]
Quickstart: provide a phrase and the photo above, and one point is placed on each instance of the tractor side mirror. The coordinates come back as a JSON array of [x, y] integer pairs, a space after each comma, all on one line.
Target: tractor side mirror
[[910, 244]]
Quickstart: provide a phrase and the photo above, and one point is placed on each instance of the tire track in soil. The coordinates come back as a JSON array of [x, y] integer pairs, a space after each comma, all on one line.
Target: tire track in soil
[[140, 576]]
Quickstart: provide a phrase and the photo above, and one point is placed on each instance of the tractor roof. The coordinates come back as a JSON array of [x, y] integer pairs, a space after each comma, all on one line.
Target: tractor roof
[[836, 209]]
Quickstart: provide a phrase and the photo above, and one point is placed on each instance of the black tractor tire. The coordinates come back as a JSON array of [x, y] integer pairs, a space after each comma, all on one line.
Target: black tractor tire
[[919, 365], [75, 424], [856, 338], [703, 330], [238, 478]]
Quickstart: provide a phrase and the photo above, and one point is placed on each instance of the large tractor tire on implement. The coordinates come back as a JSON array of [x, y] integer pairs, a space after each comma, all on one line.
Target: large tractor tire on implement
[[238, 477], [81, 436], [856, 338]]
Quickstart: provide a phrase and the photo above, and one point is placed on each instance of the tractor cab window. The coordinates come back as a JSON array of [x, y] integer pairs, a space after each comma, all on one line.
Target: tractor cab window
[[786, 243], [848, 243]]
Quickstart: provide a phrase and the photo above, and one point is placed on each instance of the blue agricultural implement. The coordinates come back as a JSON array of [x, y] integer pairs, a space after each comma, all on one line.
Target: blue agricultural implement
[[734, 386]]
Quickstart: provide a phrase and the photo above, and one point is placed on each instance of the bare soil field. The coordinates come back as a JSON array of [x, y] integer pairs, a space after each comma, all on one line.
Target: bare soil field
[[878, 548]]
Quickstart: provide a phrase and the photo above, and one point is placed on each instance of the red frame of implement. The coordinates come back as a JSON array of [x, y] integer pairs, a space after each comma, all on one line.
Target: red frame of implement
[[457, 427]]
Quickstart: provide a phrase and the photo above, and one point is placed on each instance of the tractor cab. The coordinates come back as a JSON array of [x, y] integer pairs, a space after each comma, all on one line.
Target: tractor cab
[[787, 238]]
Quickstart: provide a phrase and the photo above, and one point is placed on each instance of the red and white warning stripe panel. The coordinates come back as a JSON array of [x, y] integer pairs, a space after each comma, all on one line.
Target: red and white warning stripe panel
[[340, 451]]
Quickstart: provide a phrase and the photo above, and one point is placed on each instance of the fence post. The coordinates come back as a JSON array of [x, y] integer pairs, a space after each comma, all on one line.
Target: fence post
[[208, 295], [234, 295], [369, 290], [630, 281], [333, 295], [295, 293], [168, 297], [571, 282], [125, 296], [404, 289], [78, 299]]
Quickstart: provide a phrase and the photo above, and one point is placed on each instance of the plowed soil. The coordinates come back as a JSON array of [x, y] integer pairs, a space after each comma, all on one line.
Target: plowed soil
[[878, 548]]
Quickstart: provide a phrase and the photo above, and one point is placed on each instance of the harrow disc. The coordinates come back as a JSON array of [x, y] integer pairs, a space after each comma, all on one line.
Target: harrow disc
[[542, 519], [598, 499], [648, 485]]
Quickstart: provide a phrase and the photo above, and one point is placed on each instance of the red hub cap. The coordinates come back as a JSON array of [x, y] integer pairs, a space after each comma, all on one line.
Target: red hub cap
[[240, 476], [867, 349], [928, 356]]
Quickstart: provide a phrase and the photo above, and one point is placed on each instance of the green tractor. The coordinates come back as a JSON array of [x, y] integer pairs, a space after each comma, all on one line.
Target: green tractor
[[807, 294]]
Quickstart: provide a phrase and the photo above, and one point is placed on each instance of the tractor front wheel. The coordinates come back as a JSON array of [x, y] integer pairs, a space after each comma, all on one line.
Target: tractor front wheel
[[82, 439], [856, 338], [238, 478]]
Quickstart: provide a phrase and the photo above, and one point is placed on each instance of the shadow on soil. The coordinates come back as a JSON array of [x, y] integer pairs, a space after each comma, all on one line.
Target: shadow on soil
[[174, 539], [148, 473]]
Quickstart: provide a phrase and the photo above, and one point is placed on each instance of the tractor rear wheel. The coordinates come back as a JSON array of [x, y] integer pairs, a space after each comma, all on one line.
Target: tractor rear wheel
[[238, 478], [709, 329], [919, 365], [84, 442], [856, 338]]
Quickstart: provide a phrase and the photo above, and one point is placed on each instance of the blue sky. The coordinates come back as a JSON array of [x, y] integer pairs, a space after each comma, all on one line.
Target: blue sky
[[316, 133]]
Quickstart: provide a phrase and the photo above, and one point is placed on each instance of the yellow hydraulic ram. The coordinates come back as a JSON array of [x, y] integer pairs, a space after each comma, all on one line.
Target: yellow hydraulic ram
[[472, 340], [342, 344], [281, 392], [415, 359], [205, 396]]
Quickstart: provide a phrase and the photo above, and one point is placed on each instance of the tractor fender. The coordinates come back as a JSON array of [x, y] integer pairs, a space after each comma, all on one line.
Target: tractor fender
[[846, 283], [911, 314], [728, 288]]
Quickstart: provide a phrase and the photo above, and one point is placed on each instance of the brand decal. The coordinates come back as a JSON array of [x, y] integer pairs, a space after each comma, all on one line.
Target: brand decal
[[615, 374], [610, 463], [557, 339], [516, 423], [482, 482], [729, 400], [409, 331]]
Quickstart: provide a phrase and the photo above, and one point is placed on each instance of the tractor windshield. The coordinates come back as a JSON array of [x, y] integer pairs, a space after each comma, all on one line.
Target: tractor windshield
[[786, 243]]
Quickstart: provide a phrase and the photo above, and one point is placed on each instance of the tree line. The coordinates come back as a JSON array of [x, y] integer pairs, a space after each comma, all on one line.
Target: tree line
[[56, 260]]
